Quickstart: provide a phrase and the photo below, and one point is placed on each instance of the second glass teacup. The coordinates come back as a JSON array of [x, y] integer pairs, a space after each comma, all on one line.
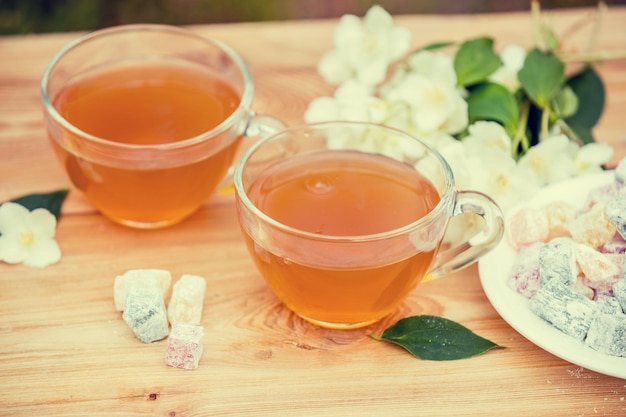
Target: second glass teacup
[[146, 119], [345, 219]]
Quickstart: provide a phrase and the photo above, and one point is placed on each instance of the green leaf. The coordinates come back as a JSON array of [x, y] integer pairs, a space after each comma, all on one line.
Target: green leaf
[[588, 87], [579, 132], [565, 103], [475, 61], [51, 201], [435, 338], [435, 45], [542, 76], [549, 38], [492, 101]]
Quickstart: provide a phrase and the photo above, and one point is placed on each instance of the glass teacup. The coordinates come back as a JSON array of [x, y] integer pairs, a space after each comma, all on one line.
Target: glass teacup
[[345, 219], [147, 119]]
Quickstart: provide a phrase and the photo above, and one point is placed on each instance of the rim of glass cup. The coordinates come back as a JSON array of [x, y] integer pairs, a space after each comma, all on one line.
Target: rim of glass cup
[[244, 102], [445, 198]]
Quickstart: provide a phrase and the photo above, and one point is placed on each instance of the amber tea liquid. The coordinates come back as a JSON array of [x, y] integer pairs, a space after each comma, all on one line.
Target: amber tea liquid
[[341, 193], [151, 102]]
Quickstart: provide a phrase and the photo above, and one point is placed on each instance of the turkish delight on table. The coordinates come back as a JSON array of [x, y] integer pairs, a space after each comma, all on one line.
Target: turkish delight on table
[[139, 278], [184, 346], [145, 314], [187, 300]]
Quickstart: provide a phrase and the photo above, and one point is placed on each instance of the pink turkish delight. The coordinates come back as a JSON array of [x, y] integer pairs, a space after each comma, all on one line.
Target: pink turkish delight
[[598, 270], [527, 226], [524, 277], [184, 346]]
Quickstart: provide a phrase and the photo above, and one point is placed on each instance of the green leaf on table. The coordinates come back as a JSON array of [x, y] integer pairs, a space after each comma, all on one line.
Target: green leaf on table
[[435, 338], [475, 61], [492, 101], [541, 76], [588, 87], [51, 201]]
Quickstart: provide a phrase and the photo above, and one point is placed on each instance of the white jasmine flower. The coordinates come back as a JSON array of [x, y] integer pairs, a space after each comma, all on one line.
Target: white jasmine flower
[[351, 101], [27, 236], [428, 86], [484, 134], [512, 57], [550, 160], [590, 157], [434, 65], [462, 165], [364, 49], [458, 118], [499, 177], [432, 102]]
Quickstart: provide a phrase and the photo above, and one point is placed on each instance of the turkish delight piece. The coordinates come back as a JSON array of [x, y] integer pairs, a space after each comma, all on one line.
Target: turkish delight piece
[[565, 309], [581, 288], [187, 300], [607, 334], [616, 213], [617, 244], [619, 291], [145, 314], [184, 346], [139, 278], [599, 270], [557, 261], [528, 225], [604, 194], [524, 277], [592, 227], [560, 214], [608, 305]]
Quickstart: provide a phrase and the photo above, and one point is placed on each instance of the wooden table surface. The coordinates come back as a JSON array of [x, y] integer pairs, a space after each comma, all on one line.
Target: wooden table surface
[[65, 350]]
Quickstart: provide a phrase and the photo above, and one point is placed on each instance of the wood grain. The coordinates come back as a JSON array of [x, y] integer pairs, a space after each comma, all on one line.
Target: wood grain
[[65, 351]]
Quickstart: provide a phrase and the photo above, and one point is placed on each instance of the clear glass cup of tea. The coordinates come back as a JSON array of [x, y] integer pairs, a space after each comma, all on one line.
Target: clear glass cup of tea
[[344, 219], [147, 119]]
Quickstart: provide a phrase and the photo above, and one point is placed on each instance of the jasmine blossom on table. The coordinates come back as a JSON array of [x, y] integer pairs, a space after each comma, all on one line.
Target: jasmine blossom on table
[[27, 229], [27, 236]]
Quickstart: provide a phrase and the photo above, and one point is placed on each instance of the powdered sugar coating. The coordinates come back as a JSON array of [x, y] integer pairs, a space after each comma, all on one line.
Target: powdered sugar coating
[[580, 274]]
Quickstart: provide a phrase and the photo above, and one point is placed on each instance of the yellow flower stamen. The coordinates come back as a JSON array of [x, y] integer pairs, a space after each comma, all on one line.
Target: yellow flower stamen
[[27, 238]]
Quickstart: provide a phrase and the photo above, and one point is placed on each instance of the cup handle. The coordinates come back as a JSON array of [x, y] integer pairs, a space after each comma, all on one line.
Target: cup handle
[[467, 252], [259, 126]]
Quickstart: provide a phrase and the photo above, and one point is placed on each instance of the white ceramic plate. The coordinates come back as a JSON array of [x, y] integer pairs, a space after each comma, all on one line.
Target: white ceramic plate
[[513, 307]]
